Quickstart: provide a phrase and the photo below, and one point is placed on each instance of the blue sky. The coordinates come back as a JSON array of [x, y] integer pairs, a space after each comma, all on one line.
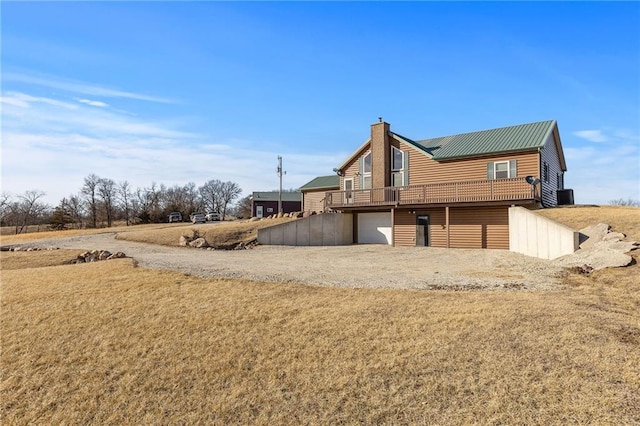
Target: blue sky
[[178, 92]]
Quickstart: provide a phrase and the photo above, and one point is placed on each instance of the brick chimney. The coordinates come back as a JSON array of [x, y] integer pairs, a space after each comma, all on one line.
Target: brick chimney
[[380, 155]]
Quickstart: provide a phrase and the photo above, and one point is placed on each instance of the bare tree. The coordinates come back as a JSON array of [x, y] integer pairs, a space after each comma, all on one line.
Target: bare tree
[[243, 208], [628, 202], [192, 198], [107, 193], [148, 200], [125, 195], [75, 208], [90, 191], [229, 191], [210, 194], [5, 204], [28, 208]]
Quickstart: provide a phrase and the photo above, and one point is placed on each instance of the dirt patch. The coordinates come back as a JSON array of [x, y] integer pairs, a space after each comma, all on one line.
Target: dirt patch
[[356, 266]]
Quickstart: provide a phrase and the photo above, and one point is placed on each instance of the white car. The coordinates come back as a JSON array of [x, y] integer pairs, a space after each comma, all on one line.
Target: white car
[[213, 216], [197, 218]]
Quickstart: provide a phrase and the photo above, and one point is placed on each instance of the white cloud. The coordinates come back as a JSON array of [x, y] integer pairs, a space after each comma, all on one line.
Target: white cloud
[[79, 87], [592, 135], [92, 103], [49, 147], [598, 176]]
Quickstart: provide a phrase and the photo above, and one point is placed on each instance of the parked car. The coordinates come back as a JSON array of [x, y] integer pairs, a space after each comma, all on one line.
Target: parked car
[[213, 216], [197, 218], [175, 217]]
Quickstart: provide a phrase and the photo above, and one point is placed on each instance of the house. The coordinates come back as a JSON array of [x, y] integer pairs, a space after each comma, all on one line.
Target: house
[[314, 192], [452, 191], [265, 204]]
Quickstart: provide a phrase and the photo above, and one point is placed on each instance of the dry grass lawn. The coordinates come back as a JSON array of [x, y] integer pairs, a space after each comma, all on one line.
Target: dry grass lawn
[[216, 234], [32, 236], [622, 219], [111, 343]]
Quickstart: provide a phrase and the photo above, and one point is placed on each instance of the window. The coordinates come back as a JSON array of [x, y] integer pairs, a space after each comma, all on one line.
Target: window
[[367, 163], [365, 174], [269, 209], [398, 167], [502, 169], [560, 177], [397, 162], [545, 172]]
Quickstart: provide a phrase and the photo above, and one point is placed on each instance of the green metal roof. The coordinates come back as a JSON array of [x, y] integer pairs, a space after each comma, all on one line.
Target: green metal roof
[[522, 137], [322, 182], [273, 196]]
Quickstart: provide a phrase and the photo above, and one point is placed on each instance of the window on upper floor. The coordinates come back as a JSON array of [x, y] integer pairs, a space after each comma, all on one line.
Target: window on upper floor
[[365, 182], [398, 167], [502, 169]]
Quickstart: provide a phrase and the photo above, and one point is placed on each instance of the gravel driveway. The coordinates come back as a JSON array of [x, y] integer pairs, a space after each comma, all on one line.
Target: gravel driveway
[[357, 266]]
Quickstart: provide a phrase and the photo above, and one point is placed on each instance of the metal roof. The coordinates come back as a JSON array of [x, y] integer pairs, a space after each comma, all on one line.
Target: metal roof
[[522, 137], [322, 182], [273, 196]]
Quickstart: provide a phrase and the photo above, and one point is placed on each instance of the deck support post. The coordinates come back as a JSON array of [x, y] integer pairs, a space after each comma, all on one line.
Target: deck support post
[[393, 227], [446, 221]]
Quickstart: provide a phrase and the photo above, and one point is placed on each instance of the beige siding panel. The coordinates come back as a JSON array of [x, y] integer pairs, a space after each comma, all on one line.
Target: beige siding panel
[[423, 170], [479, 227], [550, 155], [314, 200], [351, 169], [437, 228], [404, 228]]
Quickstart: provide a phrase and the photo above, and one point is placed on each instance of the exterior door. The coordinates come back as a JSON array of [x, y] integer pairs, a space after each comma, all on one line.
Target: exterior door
[[259, 211], [422, 230], [348, 191]]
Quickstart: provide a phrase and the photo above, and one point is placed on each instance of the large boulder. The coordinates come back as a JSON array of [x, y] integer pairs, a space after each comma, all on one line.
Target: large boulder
[[602, 249], [594, 234], [198, 243]]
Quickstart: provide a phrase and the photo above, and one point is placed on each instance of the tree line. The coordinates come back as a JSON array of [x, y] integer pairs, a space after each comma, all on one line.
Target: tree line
[[102, 201]]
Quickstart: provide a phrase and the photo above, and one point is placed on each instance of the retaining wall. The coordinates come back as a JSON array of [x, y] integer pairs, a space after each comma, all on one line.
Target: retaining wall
[[537, 236], [328, 229]]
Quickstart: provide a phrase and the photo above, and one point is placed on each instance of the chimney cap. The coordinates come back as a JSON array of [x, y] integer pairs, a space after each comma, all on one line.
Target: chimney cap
[[379, 119]]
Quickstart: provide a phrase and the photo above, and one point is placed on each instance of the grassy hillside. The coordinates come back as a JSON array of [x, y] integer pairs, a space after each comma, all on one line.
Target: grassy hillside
[[622, 219], [216, 234], [108, 342]]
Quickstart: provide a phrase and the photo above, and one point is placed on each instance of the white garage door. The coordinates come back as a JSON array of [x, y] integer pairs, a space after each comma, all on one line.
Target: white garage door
[[374, 228]]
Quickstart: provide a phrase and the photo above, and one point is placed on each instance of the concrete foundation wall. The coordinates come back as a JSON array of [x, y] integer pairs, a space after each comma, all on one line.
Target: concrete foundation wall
[[329, 229], [537, 236]]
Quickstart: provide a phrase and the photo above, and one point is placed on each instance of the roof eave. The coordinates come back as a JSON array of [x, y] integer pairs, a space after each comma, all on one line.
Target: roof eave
[[318, 188], [487, 154], [352, 156], [412, 144]]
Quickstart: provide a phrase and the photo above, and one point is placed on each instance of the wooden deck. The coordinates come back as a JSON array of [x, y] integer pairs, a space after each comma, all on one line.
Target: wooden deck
[[516, 189]]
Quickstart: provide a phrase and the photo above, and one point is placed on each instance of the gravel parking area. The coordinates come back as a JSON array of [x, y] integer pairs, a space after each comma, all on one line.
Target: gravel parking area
[[357, 266]]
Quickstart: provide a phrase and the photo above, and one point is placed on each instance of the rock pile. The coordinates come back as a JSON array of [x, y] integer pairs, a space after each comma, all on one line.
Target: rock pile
[[600, 248], [194, 240], [96, 256], [281, 215], [18, 248]]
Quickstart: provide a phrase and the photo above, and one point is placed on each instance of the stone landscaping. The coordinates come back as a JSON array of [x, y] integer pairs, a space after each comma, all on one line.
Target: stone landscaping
[[600, 248]]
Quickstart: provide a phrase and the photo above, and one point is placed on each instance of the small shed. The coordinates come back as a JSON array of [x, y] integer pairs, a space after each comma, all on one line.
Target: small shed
[[265, 204]]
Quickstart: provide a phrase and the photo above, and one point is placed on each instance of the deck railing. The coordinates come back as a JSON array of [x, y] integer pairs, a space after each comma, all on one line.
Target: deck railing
[[436, 193]]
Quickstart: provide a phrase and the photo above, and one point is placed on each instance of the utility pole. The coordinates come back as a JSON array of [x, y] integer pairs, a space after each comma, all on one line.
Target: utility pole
[[279, 170]]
